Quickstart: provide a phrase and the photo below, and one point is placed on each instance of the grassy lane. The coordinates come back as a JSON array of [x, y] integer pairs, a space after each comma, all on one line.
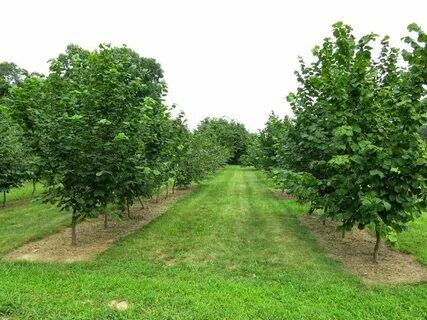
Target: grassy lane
[[231, 250], [22, 193], [24, 220], [29, 222], [415, 240]]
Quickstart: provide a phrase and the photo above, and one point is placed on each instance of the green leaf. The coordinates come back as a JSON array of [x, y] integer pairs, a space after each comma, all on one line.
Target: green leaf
[[413, 27], [376, 172], [104, 122], [339, 160], [76, 117], [386, 205], [121, 136]]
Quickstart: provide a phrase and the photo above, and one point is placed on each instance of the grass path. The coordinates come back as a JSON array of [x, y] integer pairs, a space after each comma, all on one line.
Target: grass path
[[231, 250]]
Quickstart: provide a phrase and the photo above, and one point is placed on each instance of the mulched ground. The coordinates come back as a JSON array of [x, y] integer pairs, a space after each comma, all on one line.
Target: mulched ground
[[92, 237], [282, 195], [355, 253]]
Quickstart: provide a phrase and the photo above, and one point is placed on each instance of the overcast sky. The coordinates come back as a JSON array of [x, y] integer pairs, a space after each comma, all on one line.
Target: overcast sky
[[221, 57]]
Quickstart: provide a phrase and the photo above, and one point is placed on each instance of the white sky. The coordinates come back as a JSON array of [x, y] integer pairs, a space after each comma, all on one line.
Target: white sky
[[221, 58]]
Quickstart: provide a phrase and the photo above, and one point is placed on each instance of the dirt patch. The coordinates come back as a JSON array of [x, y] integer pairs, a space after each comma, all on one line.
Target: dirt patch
[[233, 266], [92, 237], [355, 253], [13, 204], [282, 195], [119, 305]]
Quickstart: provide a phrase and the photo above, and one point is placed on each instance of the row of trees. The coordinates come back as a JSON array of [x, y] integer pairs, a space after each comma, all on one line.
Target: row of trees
[[353, 149], [96, 132], [13, 160]]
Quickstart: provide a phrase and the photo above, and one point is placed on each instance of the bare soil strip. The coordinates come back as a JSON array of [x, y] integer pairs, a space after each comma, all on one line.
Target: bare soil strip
[[14, 204], [92, 237], [282, 195], [355, 253]]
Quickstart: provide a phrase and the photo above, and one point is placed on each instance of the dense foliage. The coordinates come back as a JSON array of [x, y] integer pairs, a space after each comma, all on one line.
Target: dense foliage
[[10, 75], [98, 133], [230, 134], [12, 154], [353, 148]]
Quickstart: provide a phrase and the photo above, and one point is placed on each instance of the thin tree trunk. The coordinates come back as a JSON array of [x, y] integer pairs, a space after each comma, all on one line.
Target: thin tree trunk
[[324, 222], [142, 203], [105, 221], [158, 195], [173, 186], [377, 243], [167, 189], [343, 234], [34, 188], [128, 209], [4, 198], [73, 230]]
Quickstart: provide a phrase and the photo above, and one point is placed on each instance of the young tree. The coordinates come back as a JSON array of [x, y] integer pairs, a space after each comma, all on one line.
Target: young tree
[[10, 75], [254, 155], [201, 157], [227, 133], [12, 154], [180, 137], [90, 119], [273, 140], [26, 110], [359, 154]]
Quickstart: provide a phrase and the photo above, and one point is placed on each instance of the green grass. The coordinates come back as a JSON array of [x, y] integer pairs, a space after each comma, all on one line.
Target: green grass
[[23, 192], [25, 223], [415, 240], [29, 221], [230, 250]]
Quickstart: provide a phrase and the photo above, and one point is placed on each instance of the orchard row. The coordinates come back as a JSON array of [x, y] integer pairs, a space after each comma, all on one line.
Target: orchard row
[[354, 149], [97, 133]]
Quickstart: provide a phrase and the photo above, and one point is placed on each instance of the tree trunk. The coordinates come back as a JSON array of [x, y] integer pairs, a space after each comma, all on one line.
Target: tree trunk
[[377, 243], [324, 222], [34, 188], [128, 209], [173, 186], [167, 189], [343, 234], [105, 221], [158, 195], [4, 198], [73, 230], [142, 203]]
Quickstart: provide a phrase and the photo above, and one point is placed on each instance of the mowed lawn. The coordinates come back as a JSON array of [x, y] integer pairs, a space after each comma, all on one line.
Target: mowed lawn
[[230, 250], [29, 221]]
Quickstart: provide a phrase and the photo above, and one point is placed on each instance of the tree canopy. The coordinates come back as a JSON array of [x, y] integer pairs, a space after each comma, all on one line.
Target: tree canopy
[[227, 133]]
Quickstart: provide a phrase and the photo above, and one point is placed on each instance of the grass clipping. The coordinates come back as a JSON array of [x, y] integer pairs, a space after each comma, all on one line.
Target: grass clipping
[[355, 252], [92, 237]]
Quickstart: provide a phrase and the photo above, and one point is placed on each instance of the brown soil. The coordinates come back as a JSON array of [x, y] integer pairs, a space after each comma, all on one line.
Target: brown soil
[[282, 195], [355, 252], [13, 204], [92, 238]]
